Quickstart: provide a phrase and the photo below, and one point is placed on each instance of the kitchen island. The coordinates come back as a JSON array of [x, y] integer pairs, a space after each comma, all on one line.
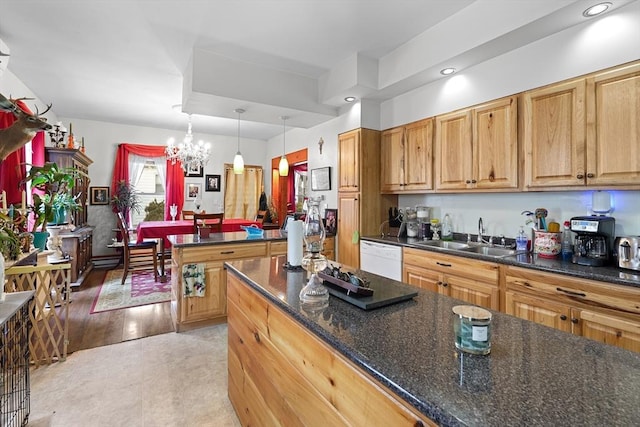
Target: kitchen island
[[348, 365], [207, 256]]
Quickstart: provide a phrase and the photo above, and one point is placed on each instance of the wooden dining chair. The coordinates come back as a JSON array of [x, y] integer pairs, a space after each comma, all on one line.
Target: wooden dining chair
[[261, 216], [188, 214], [216, 227], [136, 255]]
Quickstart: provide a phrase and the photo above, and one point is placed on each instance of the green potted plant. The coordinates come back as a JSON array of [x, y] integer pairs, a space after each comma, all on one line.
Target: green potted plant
[[57, 199], [125, 199]]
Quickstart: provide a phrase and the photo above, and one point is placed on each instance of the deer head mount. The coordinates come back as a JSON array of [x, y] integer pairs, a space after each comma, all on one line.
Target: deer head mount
[[23, 129]]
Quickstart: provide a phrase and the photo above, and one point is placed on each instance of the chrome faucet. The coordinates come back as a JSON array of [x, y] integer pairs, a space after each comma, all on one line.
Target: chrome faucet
[[481, 234]]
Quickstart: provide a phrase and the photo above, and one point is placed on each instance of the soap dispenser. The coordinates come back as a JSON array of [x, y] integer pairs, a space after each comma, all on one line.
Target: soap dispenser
[[447, 228]]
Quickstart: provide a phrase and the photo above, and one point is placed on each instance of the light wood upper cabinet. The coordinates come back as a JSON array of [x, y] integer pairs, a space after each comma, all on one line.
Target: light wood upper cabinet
[[478, 148], [584, 132], [554, 135], [349, 157], [407, 158], [613, 142]]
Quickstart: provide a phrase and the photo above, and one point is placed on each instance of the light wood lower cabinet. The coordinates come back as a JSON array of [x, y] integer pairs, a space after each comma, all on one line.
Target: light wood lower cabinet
[[282, 374], [191, 312], [472, 281], [595, 310]]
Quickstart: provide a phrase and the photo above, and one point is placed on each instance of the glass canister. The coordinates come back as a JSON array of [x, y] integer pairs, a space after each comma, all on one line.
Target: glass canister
[[423, 213], [472, 329]]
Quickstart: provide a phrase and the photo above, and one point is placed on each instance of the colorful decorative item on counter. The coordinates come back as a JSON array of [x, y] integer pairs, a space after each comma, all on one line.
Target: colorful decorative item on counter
[[547, 245]]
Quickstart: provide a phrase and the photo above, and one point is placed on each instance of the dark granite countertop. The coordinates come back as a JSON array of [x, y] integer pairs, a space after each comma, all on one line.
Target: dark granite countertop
[[534, 376], [606, 274], [184, 240]]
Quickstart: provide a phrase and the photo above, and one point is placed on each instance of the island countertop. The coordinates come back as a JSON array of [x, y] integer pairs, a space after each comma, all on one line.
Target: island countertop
[[184, 240], [534, 376]]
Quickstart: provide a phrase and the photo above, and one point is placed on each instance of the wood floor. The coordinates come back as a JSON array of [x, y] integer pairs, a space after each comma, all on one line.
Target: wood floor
[[94, 330]]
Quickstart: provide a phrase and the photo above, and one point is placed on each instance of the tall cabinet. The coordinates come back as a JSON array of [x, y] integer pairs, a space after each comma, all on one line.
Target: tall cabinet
[[77, 243], [361, 208]]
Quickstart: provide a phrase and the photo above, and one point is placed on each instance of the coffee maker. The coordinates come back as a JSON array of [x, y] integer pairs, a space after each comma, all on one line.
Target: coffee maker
[[594, 242]]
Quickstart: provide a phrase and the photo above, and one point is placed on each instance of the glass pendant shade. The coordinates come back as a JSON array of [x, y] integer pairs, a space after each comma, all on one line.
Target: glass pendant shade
[[283, 167], [238, 164], [238, 161]]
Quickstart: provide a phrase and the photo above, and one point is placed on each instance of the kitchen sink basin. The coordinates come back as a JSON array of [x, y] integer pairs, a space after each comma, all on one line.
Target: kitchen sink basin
[[491, 251], [444, 244]]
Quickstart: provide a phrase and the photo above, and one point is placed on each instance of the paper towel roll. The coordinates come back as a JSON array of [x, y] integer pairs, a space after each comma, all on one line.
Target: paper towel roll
[[294, 243]]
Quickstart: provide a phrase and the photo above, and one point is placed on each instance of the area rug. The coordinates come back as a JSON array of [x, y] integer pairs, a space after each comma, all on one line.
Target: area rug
[[139, 289]]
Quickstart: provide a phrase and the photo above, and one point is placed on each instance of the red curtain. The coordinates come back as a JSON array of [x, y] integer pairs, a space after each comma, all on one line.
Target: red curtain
[[13, 169], [175, 176]]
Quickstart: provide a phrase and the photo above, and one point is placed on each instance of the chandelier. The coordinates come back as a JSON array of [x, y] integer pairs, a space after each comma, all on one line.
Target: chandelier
[[190, 155]]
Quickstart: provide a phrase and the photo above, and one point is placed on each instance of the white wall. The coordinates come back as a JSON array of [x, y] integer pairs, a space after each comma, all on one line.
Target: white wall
[[298, 139]]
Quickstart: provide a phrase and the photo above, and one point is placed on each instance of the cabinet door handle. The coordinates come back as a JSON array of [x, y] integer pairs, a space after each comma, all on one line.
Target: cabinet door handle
[[580, 176], [574, 320], [563, 317], [467, 182], [227, 252], [576, 294], [443, 264], [590, 175], [473, 181], [445, 284], [438, 283]]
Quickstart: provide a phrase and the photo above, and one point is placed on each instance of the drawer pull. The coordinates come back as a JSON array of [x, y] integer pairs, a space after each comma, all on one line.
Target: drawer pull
[[443, 264], [563, 317], [577, 294], [227, 252]]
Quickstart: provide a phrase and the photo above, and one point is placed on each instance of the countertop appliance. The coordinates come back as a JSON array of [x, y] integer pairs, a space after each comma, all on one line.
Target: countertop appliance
[[381, 259], [628, 252], [594, 242]]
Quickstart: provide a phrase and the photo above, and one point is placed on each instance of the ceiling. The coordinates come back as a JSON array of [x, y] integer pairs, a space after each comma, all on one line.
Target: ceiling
[[130, 61]]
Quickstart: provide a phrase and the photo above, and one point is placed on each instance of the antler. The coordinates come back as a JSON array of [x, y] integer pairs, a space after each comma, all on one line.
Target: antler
[[38, 114]]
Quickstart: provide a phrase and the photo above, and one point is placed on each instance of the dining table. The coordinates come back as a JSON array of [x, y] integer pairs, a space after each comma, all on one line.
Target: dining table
[[161, 230]]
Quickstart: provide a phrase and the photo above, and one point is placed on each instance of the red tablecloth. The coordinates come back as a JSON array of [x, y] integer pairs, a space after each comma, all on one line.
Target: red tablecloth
[[162, 229]]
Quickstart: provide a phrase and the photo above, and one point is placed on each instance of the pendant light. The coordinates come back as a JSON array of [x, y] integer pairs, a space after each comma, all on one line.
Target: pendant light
[[283, 167], [238, 161]]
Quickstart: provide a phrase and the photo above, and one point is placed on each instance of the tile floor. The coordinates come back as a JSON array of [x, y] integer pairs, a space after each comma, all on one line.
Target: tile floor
[[164, 380]]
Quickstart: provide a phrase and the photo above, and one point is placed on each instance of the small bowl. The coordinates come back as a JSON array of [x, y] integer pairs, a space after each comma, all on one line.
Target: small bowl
[[547, 245]]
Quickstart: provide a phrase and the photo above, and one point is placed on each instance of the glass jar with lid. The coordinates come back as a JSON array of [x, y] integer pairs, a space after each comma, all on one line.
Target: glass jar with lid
[[472, 329]]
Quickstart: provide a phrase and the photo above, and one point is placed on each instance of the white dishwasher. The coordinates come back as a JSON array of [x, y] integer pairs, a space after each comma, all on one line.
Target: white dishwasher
[[381, 259]]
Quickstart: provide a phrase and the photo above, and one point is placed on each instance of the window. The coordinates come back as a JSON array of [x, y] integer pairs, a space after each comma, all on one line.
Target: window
[[147, 176]]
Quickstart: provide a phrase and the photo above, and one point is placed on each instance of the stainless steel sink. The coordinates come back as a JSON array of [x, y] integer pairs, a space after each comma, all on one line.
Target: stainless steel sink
[[444, 244], [491, 251]]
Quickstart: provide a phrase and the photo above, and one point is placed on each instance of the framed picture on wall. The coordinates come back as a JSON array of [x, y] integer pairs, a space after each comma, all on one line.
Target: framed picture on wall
[[212, 183], [331, 220], [321, 179], [99, 195], [194, 171], [192, 191]]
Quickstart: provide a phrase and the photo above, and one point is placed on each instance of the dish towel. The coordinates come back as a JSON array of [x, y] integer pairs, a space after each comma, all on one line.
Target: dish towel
[[193, 281]]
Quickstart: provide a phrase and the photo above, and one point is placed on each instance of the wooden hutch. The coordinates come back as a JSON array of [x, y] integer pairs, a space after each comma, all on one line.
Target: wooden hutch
[[77, 243]]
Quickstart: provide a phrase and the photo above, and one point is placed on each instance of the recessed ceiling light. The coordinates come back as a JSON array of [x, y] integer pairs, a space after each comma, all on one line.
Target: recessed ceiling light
[[596, 9], [447, 71], [350, 98]]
